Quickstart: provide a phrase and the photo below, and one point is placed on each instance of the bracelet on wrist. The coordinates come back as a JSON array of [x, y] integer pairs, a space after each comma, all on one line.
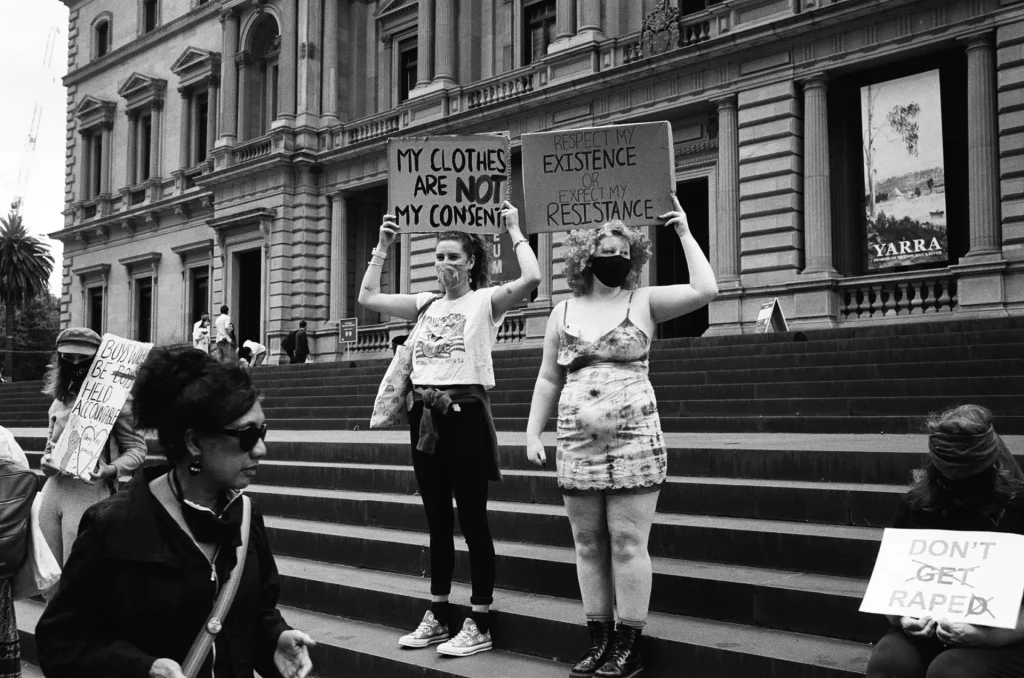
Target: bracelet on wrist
[[375, 262], [518, 243], [383, 254]]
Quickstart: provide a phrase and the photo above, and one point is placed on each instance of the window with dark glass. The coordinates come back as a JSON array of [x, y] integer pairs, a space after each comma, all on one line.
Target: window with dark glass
[[538, 29], [694, 6], [144, 310], [102, 38], [96, 309], [149, 8], [200, 292], [146, 150], [407, 68]]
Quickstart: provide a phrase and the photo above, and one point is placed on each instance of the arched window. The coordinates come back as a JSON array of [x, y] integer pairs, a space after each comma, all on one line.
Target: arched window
[[101, 35], [258, 77]]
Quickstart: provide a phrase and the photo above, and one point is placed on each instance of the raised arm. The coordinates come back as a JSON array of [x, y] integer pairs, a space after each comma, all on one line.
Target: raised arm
[[511, 293], [672, 301], [547, 390], [370, 296]]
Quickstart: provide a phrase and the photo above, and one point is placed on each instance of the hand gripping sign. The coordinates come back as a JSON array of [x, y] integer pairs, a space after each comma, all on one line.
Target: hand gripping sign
[[98, 405], [449, 182], [582, 178], [973, 577]]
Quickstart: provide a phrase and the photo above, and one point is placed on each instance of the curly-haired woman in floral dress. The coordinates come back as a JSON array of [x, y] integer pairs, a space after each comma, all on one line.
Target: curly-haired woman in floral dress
[[611, 454]]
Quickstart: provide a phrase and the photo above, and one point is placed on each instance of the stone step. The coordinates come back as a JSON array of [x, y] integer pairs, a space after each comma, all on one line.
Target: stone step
[[304, 490], [842, 551], [553, 627], [346, 648]]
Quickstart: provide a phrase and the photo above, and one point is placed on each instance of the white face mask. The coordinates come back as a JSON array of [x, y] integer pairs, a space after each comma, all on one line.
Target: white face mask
[[451, 275]]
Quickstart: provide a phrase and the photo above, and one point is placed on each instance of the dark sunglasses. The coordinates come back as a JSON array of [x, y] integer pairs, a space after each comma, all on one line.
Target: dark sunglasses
[[248, 436]]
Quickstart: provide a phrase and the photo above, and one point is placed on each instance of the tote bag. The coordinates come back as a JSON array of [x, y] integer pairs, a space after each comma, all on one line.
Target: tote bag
[[390, 407]]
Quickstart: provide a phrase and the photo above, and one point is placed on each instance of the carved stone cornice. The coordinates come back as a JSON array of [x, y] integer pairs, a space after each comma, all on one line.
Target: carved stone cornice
[[93, 113], [143, 92], [197, 68]]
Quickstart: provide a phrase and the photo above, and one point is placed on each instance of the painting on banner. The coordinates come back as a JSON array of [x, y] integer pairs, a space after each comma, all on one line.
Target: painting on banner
[[103, 394], [449, 182], [583, 178], [972, 577]]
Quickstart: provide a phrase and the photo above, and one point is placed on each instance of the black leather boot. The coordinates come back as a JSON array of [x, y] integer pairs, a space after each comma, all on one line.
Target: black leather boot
[[623, 660], [601, 635]]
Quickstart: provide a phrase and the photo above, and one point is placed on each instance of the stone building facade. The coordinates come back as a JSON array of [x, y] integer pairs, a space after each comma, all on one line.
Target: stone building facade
[[234, 151]]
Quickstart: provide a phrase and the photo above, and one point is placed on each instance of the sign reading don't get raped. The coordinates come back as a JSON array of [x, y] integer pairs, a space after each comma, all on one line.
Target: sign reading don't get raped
[[449, 182], [583, 178]]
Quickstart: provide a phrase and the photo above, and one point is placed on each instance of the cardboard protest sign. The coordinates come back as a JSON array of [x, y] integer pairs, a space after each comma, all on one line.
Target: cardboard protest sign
[[583, 178], [98, 405], [449, 182], [972, 577]]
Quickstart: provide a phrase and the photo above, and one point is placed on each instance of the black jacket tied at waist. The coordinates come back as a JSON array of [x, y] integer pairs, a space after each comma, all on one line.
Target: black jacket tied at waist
[[438, 401]]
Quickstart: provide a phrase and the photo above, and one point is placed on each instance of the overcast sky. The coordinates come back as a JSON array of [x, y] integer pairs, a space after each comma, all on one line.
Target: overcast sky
[[25, 80]]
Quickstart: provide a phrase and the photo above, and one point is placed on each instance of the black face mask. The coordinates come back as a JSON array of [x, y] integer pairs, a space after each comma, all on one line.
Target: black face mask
[[78, 372], [611, 271]]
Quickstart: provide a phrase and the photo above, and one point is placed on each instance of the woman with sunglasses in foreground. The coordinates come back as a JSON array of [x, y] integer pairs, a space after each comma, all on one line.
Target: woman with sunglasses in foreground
[[66, 497], [149, 563]]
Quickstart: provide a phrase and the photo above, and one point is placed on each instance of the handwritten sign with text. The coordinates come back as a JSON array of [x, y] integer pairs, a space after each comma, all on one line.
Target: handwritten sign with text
[[972, 577], [583, 178], [449, 182], [99, 404]]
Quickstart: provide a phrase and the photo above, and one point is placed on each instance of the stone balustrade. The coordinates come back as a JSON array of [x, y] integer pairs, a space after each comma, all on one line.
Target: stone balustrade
[[374, 128], [373, 339], [499, 90], [897, 295], [513, 329]]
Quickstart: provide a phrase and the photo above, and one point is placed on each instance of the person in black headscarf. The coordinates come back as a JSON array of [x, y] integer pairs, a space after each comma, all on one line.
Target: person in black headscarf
[[970, 483], [149, 563]]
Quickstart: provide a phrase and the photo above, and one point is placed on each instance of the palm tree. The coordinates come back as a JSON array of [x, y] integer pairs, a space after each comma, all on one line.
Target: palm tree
[[25, 268]]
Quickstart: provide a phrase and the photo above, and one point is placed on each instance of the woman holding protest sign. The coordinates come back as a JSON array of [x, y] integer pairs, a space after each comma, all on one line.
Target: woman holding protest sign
[[454, 445], [611, 458], [971, 482], [65, 497], [174, 577]]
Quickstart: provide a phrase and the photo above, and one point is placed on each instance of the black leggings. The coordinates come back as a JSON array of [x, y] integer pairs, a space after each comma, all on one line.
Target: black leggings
[[897, 655], [458, 466]]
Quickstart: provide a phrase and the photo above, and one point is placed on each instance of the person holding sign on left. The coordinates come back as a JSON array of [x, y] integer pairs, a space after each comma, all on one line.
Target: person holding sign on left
[[454, 446], [66, 497]]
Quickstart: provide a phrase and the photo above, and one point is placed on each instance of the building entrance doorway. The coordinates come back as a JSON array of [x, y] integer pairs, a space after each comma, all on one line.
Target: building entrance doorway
[[248, 291], [670, 262]]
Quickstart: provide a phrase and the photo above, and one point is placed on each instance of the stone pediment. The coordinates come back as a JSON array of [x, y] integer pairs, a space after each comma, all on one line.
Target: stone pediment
[[395, 6], [92, 111], [143, 91], [196, 64], [395, 16]]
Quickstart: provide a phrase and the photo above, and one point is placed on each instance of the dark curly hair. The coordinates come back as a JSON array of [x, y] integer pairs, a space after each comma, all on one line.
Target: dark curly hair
[[57, 382], [178, 390], [581, 244], [474, 246], [986, 494]]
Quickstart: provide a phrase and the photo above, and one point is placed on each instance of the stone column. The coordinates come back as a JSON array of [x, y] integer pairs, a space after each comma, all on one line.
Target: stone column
[[727, 257], [983, 147], [194, 131], [330, 60], [211, 117], [229, 76], [565, 19], [105, 151], [140, 154], [185, 137], [339, 257], [85, 189], [590, 17], [288, 74], [154, 141], [545, 243], [445, 41], [425, 43], [246, 126], [310, 58], [817, 180]]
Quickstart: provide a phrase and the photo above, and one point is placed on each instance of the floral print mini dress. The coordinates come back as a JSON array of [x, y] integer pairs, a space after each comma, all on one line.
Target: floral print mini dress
[[609, 433]]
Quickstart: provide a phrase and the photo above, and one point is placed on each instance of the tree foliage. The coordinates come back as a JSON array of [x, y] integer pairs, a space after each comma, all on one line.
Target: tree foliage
[[36, 325], [903, 120], [25, 268]]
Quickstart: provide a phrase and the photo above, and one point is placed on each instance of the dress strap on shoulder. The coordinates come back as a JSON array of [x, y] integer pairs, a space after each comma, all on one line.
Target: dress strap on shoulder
[[629, 304], [565, 312]]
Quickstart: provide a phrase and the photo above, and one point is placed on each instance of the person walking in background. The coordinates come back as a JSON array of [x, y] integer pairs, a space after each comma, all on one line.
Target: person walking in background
[[970, 482], [454, 446], [201, 334], [301, 344], [65, 497], [148, 564], [221, 338], [611, 458]]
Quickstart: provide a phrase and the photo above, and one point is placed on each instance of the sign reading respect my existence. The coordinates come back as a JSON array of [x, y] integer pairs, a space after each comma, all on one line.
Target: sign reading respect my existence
[[99, 404], [583, 178], [449, 182], [972, 577]]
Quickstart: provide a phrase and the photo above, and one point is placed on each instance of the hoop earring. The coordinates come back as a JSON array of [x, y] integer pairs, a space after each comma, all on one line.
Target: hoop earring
[[195, 467]]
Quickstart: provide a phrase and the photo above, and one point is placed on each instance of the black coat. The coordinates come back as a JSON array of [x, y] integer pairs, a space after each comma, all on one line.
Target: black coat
[[136, 589]]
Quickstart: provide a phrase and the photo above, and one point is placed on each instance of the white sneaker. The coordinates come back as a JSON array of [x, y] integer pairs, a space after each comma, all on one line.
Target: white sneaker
[[429, 631], [469, 641]]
